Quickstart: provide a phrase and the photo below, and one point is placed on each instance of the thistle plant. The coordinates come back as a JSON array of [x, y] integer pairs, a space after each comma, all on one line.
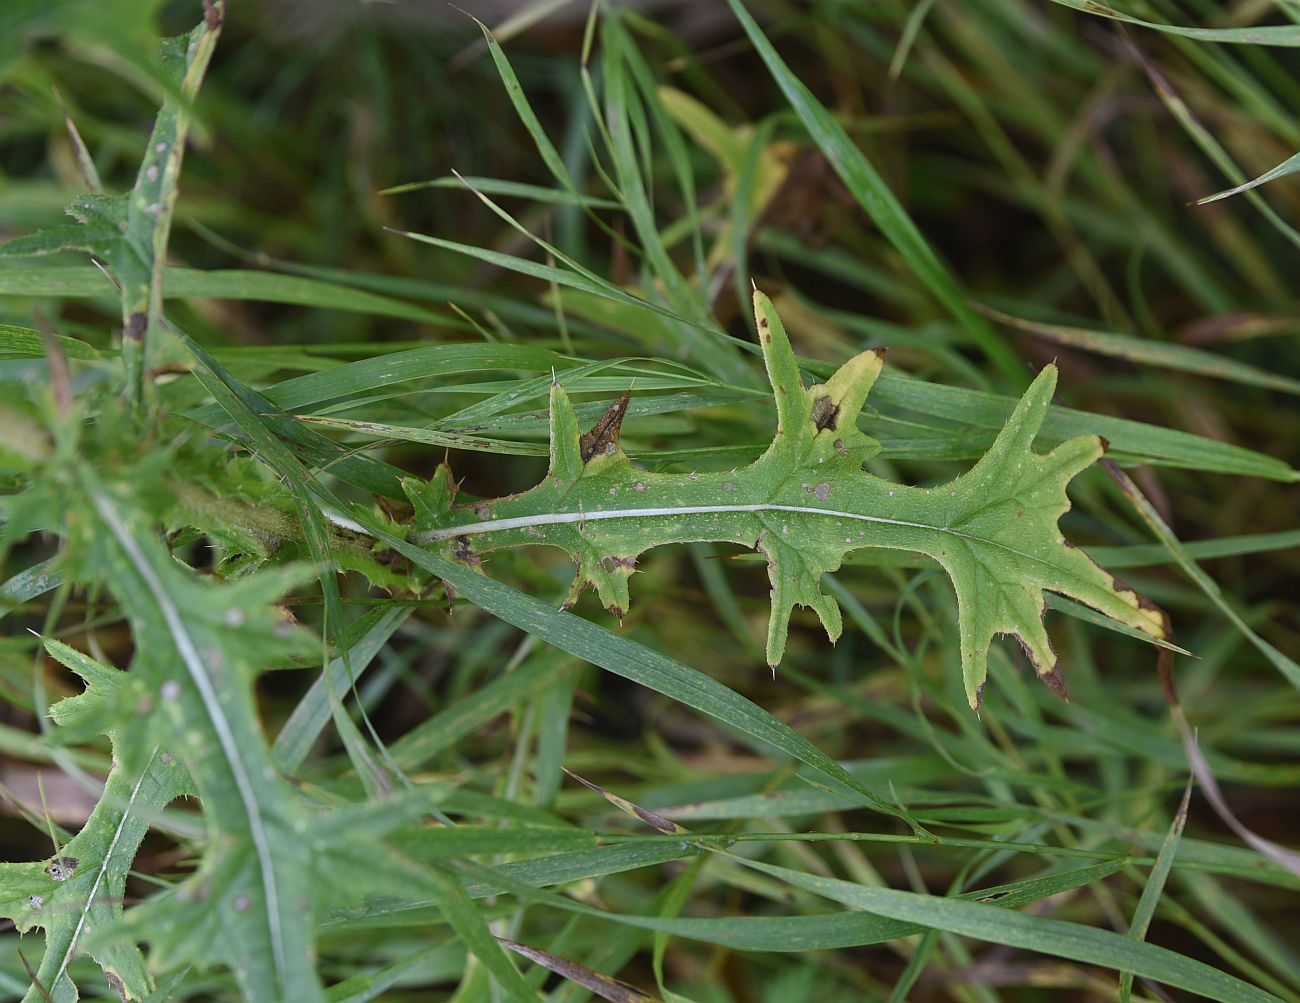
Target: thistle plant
[[229, 574], [805, 504]]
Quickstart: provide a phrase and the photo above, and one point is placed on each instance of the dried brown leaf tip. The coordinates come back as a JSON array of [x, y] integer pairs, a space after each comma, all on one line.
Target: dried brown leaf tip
[[214, 14], [602, 440], [650, 818]]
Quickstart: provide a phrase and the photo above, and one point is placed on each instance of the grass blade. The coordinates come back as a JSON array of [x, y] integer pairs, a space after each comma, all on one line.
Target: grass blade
[[880, 203]]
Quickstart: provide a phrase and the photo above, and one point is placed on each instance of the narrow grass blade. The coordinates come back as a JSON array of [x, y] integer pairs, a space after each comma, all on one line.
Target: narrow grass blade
[[1146, 908], [467, 921], [880, 203], [314, 710], [1284, 664], [1289, 166], [1265, 34], [24, 343], [1053, 937], [634, 661], [78, 282], [1163, 354]]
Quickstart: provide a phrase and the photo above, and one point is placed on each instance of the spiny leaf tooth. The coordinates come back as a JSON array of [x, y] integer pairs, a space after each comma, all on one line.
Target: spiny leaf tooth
[[608, 574], [431, 499], [785, 597], [1021, 428], [778, 629], [828, 611], [1027, 608], [566, 457], [834, 407], [849, 385], [796, 581], [1074, 455], [792, 404]]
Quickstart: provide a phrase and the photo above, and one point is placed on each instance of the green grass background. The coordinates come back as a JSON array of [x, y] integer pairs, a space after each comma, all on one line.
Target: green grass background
[[981, 187]]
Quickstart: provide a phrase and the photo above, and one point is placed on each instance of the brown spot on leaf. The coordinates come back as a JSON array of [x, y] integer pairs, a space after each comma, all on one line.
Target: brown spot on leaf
[[1055, 680], [825, 413], [135, 325], [62, 868], [118, 985], [463, 551], [213, 14], [602, 440]]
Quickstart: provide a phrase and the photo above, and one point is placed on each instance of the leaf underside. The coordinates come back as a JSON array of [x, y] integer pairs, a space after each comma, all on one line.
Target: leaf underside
[[805, 504]]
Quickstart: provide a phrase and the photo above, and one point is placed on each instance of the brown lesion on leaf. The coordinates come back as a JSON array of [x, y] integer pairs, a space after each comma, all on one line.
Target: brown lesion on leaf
[[118, 986], [1049, 674], [612, 562], [1055, 680], [825, 413], [1165, 658], [214, 13], [62, 868], [602, 440], [462, 550], [135, 325]]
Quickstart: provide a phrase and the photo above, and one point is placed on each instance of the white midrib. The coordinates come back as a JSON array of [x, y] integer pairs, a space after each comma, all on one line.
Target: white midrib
[[562, 518], [559, 518], [103, 869], [225, 735]]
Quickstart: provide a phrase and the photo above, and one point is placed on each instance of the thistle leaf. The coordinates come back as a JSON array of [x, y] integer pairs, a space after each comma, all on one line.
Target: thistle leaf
[[805, 504], [80, 888], [199, 648]]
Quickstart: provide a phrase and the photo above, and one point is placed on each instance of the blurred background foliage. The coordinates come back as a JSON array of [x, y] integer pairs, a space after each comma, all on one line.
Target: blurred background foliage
[[1051, 157]]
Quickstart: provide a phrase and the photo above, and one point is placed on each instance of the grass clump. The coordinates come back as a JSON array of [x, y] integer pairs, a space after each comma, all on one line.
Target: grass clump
[[277, 392]]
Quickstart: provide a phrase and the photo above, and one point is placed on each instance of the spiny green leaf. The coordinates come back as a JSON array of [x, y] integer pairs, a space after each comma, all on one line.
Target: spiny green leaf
[[198, 650], [805, 503], [80, 888]]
